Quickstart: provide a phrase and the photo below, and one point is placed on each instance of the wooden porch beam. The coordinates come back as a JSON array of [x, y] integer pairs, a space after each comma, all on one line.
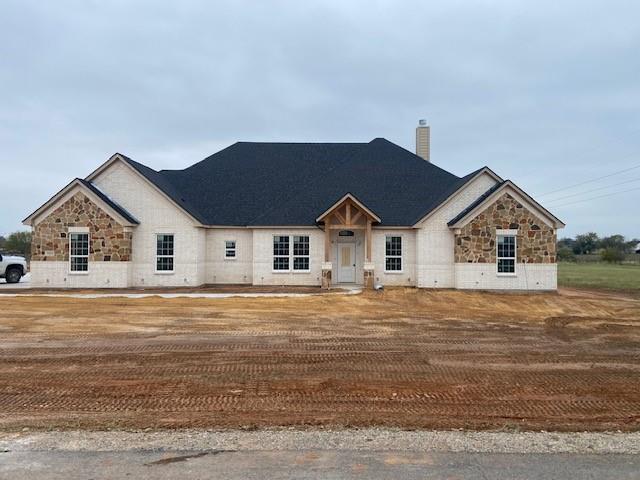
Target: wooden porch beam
[[347, 227], [348, 219], [340, 217], [327, 239], [368, 241]]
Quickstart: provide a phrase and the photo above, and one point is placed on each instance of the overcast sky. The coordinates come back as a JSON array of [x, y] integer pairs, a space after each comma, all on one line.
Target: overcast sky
[[546, 93]]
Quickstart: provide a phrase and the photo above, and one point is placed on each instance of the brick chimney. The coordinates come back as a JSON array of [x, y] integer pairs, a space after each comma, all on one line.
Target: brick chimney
[[423, 140]]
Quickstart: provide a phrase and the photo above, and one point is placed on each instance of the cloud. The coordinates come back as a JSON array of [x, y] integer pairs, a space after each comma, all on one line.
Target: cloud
[[545, 93]]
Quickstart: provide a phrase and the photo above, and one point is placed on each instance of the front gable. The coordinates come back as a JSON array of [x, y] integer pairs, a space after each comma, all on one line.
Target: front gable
[[109, 240], [475, 241]]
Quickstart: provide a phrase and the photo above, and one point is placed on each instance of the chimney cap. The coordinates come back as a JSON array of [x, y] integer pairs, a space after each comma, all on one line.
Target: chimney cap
[[422, 122]]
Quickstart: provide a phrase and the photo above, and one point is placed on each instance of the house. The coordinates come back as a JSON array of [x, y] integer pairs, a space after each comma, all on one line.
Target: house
[[295, 214]]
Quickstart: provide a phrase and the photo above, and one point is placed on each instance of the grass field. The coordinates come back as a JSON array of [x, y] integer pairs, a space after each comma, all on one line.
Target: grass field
[[599, 276]]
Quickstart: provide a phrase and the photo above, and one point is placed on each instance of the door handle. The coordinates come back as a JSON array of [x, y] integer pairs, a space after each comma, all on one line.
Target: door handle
[[354, 264]]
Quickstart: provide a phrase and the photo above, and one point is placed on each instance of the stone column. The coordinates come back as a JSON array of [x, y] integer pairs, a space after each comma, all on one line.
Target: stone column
[[326, 275], [369, 281]]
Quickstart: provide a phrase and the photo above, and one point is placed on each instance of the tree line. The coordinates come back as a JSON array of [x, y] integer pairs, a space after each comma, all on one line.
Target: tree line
[[17, 242], [614, 248]]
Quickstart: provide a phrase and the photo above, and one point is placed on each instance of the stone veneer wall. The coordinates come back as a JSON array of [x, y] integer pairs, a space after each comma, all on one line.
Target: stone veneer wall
[[108, 241], [536, 241]]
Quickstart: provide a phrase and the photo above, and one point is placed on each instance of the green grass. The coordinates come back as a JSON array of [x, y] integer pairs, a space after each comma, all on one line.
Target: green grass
[[603, 276]]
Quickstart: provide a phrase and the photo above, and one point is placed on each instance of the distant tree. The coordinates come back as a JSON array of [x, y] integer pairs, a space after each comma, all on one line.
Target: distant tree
[[2, 241], [565, 254], [586, 243], [614, 241], [566, 242], [612, 255], [19, 242]]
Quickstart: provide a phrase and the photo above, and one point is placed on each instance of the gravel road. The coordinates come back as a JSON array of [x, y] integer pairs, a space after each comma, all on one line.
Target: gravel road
[[369, 439]]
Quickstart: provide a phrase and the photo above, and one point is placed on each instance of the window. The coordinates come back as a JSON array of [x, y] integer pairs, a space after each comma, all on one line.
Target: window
[[280, 252], [164, 253], [230, 249], [506, 257], [285, 257], [79, 252], [393, 254], [301, 252]]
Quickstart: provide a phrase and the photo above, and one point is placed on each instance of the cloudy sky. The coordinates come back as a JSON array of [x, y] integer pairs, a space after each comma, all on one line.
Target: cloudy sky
[[546, 93]]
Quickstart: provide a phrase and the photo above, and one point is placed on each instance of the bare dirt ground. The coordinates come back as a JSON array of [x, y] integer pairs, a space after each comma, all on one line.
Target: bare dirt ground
[[404, 357]]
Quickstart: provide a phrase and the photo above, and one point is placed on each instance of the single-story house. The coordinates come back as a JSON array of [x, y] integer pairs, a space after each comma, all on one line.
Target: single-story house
[[295, 214]]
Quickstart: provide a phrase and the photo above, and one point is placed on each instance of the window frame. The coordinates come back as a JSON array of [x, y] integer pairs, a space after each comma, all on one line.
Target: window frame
[[294, 256], [70, 234], [228, 249], [172, 256], [280, 255], [401, 256], [514, 235], [291, 256]]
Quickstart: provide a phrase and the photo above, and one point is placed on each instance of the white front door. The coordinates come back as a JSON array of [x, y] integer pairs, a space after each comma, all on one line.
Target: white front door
[[346, 262]]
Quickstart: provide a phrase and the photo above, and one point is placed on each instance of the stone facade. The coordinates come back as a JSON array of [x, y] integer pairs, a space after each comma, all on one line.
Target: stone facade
[[476, 242], [108, 240]]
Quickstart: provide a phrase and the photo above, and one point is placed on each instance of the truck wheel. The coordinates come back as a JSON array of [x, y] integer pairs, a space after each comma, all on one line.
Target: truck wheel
[[13, 275]]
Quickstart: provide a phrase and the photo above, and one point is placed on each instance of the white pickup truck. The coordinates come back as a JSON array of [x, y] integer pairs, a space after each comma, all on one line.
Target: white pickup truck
[[12, 267]]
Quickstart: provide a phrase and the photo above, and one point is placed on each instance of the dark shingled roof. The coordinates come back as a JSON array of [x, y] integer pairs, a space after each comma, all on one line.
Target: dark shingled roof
[[130, 218], [286, 184]]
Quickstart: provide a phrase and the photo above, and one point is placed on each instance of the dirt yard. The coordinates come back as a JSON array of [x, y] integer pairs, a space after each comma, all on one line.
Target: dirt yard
[[403, 357]]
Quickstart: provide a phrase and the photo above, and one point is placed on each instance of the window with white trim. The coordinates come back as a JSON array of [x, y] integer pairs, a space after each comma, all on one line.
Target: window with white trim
[[291, 252], [230, 249], [393, 254], [164, 252], [281, 252], [78, 252], [506, 253], [301, 252]]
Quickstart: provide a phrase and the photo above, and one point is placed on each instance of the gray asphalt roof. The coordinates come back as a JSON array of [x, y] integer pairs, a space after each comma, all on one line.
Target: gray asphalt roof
[[287, 184]]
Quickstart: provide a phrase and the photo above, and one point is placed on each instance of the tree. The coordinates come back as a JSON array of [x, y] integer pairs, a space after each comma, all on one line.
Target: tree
[[19, 242], [565, 254], [2, 241], [569, 243], [586, 243], [614, 241], [612, 255]]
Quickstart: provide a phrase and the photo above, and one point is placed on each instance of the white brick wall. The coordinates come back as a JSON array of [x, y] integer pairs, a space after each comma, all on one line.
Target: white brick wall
[[435, 241], [263, 273], [428, 251], [156, 214], [408, 275], [483, 276], [100, 275], [223, 270]]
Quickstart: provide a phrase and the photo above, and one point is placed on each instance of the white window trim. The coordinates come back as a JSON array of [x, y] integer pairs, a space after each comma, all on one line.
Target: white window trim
[[235, 249], [401, 256], [291, 256], [508, 233], [76, 230], [294, 256], [274, 256], [164, 272]]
